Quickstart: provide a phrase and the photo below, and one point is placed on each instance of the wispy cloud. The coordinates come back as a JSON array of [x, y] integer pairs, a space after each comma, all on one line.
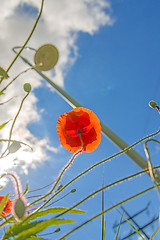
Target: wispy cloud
[[60, 24]]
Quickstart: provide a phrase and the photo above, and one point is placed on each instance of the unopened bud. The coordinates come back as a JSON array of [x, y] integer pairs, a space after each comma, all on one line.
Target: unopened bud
[[27, 87], [73, 190], [152, 104], [19, 208], [57, 230]]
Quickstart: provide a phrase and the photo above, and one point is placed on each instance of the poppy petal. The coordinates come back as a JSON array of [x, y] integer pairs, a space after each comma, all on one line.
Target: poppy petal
[[79, 121], [7, 207]]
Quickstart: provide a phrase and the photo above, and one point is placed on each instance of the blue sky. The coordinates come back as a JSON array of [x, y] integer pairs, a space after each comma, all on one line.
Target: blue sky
[[116, 73]]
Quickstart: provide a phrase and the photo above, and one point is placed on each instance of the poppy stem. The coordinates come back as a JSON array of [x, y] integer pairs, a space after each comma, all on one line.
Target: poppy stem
[[70, 162], [68, 165], [18, 187], [82, 144]]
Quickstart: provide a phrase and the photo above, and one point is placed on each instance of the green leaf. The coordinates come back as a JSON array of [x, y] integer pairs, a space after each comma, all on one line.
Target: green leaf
[[7, 221], [24, 231], [3, 74], [26, 190], [54, 210], [37, 238], [3, 125], [17, 228], [1, 92], [3, 202], [117, 234]]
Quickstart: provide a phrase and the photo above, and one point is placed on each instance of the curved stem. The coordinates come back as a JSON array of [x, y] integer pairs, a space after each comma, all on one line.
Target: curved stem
[[89, 196], [39, 15], [10, 133], [135, 156], [17, 77], [93, 166], [65, 168], [25, 144], [105, 211], [150, 165], [16, 181]]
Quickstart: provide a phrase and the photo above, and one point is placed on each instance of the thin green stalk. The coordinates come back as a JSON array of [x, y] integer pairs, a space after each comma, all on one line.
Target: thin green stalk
[[16, 181], [107, 210], [7, 100], [150, 165], [136, 224], [136, 157], [95, 165], [155, 233], [36, 22], [117, 234], [25, 144], [64, 169], [103, 220], [89, 196], [10, 133], [132, 225], [17, 77], [62, 172], [98, 191]]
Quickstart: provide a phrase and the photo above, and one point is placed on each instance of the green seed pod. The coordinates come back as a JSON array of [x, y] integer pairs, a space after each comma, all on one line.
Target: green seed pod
[[73, 190], [27, 87], [19, 208], [46, 57], [59, 188], [152, 104]]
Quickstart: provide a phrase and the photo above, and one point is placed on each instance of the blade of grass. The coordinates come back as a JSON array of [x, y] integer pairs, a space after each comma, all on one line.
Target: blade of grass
[[119, 228], [124, 210], [107, 210], [95, 165], [96, 192], [103, 220], [136, 157], [131, 224]]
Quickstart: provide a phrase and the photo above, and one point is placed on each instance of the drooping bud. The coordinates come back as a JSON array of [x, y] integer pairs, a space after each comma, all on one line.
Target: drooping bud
[[19, 208]]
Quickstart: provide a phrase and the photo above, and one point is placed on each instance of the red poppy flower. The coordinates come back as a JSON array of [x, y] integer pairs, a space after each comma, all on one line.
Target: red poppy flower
[[80, 122], [7, 207]]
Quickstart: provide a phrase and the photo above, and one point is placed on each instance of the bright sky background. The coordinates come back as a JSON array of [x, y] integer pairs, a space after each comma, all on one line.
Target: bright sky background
[[109, 62]]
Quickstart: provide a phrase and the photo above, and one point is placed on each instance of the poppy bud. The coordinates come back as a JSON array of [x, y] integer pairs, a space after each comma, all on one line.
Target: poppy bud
[[57, 230], [19, 208], [27, 87], [152, 104], [73, 190]]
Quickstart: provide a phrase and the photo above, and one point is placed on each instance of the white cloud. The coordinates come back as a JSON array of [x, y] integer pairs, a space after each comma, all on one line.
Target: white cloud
[[60, 24]]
